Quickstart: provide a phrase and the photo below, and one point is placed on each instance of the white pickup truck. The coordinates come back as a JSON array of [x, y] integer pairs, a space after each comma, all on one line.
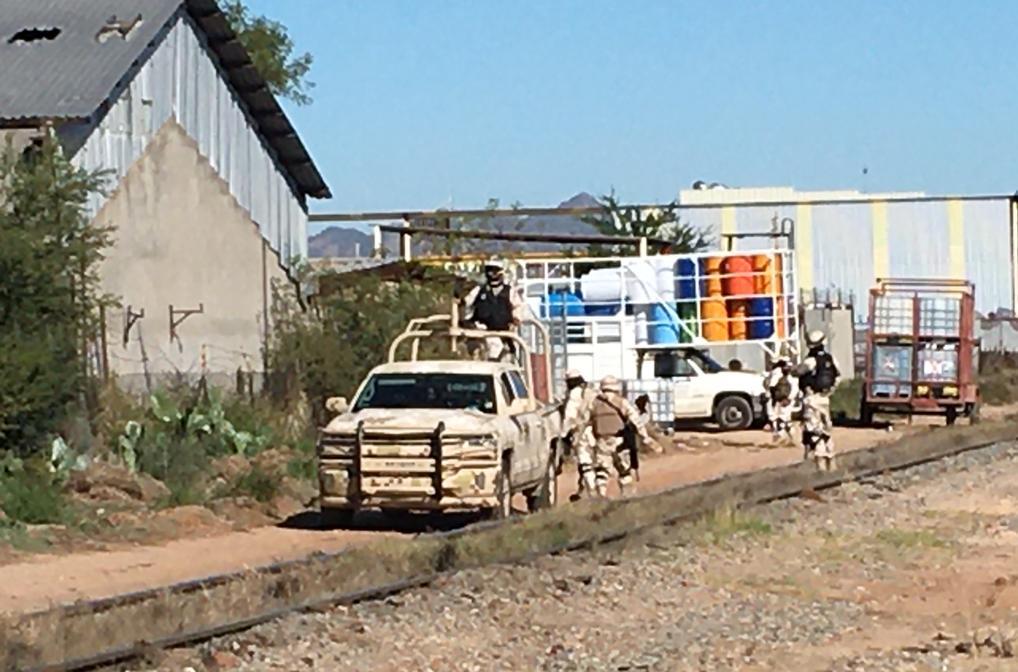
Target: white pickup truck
[[705, 390], [443, 435]]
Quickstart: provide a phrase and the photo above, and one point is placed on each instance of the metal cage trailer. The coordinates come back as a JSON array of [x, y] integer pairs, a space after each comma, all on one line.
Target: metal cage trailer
[[921, 355]]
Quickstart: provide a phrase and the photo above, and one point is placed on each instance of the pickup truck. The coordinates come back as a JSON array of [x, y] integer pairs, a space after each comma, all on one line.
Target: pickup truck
[[443, 435], [705, 390]]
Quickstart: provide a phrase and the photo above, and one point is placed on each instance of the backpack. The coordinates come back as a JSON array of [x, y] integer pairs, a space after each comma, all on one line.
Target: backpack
[[782, 390]]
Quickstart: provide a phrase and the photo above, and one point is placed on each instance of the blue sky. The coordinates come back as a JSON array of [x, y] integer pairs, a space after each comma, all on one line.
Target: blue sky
[[425, 104]]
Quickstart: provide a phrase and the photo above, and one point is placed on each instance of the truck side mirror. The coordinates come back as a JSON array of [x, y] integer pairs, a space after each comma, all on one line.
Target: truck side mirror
[[337, 405], [667, 365]]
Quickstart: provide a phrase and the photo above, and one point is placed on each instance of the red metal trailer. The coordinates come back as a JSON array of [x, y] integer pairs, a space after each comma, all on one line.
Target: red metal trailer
[[921, 355]]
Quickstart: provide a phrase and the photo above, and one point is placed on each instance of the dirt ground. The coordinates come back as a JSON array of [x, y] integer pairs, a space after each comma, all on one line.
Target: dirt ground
[[912, 571], [208, 544]]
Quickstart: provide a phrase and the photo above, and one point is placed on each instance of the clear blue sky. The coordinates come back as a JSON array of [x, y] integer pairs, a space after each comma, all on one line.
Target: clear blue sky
[[533, 101]]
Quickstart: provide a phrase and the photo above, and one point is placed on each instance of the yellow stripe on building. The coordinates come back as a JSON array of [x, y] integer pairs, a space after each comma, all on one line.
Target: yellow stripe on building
[[804, 245], [727, 225], [956, 238], [881, 253]]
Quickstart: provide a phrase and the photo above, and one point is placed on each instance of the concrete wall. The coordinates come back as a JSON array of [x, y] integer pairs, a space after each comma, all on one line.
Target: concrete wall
[[183, 240]]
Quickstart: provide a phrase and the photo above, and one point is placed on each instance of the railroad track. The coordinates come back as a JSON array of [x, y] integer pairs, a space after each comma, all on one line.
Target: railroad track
[[91, 634]]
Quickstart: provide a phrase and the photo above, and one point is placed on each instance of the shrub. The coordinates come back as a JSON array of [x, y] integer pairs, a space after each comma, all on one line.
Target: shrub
[[30, 494]]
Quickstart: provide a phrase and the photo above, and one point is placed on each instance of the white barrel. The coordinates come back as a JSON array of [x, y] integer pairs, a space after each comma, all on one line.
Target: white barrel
[[641, 279], [640, 324], [666, 279], [601, 285]]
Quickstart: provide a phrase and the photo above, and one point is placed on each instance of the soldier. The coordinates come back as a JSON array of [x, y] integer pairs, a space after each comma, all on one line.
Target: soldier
[[818, 376], [495, 306], [781, 392], [577, 433], [611, 418], [646, 421]]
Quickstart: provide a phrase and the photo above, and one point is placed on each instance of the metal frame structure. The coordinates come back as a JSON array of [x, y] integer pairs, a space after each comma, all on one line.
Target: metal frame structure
[[916, 300], [536, 348], [620, 335]]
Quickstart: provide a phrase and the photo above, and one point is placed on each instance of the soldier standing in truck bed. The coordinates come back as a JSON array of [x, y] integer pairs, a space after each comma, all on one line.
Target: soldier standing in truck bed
[[612, 417], [495, 305]]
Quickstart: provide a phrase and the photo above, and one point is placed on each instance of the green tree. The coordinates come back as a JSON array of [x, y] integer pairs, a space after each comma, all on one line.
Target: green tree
[[49, 294], [662, 223], [272, 51]]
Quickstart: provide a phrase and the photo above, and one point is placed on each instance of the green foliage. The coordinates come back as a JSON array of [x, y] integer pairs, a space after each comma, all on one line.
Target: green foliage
[[270, 47], [30, 493], [662, 223], [50, 293], [999, 386], [331, 350], [845, 399], [257, 484]]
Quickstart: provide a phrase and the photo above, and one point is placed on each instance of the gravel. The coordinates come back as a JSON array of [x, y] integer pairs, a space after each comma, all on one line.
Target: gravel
[[751, 592]]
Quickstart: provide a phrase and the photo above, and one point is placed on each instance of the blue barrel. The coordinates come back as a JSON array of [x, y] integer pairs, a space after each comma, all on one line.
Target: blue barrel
[[662, 328], [685, 280], [561, 302], [759, 327]]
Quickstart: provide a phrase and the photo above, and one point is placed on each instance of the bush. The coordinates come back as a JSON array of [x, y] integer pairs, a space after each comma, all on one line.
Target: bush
[[845, 399], [330, 351], [50, 296], [30, 494], [257, 484]]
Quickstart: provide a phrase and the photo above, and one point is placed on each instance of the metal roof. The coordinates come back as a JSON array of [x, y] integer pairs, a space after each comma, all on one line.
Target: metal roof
[[71, 74]]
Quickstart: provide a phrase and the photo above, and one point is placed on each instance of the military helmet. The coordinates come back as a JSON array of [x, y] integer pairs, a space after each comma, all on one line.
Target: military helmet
[[611, 384], [815, 338], [495, 264]]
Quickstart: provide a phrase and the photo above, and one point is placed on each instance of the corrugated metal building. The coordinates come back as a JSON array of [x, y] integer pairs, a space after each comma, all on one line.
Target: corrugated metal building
[[209, 186], [845, 240]]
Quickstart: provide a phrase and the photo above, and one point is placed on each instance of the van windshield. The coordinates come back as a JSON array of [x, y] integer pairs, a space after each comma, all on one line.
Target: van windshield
[[428, 390]]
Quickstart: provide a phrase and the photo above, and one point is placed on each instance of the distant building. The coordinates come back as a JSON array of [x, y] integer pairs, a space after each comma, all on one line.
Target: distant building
[[844, 240], [210, 180]]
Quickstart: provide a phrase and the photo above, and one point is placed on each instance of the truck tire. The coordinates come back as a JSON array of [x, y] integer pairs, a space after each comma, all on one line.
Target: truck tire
[[733, 413], [545, 496], [331, 519], [503, 492]]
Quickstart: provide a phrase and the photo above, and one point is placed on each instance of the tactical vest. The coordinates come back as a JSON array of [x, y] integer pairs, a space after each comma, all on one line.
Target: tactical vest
[[782, 390], [821, 378], [493, 308], [607, 421]]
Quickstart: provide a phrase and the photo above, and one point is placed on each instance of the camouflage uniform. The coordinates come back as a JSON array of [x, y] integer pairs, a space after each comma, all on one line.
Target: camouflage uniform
[[779, 411], [576, 426], [497, 349], [817, 424], [609, 414]]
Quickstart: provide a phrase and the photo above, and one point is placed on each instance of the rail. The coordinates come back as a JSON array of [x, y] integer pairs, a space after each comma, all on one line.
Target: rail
[[133, 624]]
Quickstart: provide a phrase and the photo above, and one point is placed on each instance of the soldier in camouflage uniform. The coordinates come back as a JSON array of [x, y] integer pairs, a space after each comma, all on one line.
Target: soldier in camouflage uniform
[[610, 414], [818, 376], [577, 432]]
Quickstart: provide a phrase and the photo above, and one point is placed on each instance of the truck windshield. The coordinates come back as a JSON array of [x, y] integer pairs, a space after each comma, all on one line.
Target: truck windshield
[[428, 390], [704, 361]]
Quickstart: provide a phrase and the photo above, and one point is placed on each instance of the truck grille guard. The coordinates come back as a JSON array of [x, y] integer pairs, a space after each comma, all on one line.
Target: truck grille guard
[[435, 444]]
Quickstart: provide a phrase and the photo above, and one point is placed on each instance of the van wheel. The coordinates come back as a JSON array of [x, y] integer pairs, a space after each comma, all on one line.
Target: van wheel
[[545, 496], [733, 413]]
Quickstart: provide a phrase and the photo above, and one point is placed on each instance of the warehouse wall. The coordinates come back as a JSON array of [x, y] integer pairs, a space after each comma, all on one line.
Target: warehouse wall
[[848, 245]]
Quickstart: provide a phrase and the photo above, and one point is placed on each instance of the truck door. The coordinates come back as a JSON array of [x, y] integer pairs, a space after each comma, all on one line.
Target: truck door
[[531, 428]]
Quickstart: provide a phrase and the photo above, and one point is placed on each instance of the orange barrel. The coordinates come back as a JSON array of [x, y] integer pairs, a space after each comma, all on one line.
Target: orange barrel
[[715, 320], [766, 274], [779, 316], [738, 276], [737, 310], [710, 280]]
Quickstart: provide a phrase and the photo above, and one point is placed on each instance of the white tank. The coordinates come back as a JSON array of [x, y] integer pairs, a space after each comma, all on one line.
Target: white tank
[[601, 285], [666, 279], [641, 280]]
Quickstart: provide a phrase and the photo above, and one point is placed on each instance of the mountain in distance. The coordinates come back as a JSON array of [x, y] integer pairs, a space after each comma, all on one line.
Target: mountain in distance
[[347, 242]]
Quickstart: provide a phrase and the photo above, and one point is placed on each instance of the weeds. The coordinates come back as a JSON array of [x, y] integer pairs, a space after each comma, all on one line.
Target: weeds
[[30, 494], [907, 539], [257, 484], [845, 399], [724, 524]]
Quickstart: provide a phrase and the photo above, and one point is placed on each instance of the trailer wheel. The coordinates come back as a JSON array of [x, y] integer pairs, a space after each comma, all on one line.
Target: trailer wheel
[[952, 415], [865, 414], [733, 413]]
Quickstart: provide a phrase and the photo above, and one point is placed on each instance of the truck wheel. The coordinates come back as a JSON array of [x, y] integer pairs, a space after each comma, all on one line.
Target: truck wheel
[[545, 496], [865, 415], [503, 492], [336, 518], [733, 413]]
